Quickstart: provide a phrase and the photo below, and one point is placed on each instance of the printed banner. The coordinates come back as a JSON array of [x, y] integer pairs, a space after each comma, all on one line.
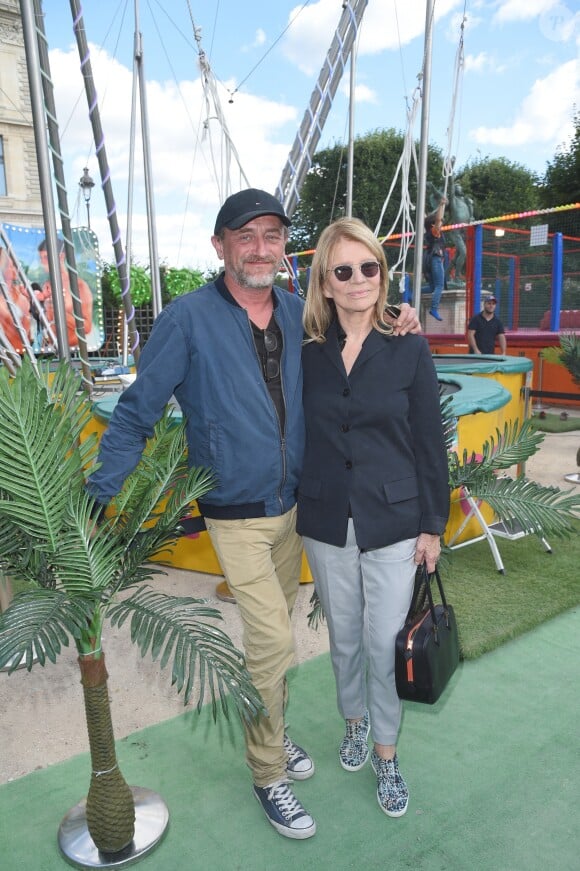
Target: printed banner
[[37, 320]]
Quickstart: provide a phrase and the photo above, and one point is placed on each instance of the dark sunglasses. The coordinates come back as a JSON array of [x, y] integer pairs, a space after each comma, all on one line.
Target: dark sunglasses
[[369, 269], [270, 365]]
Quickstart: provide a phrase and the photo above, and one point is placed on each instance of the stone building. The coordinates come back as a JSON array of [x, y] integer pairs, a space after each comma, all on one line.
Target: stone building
[[20, 201]]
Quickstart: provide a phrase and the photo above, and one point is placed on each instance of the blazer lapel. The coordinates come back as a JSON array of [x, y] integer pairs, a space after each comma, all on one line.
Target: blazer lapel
[[331, 348], [375, 343]]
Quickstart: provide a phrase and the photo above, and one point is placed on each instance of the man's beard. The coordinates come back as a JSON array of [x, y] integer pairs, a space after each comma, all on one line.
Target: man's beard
[[257, 281]]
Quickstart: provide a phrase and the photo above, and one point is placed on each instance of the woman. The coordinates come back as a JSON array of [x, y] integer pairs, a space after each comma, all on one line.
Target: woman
[[373, 496]]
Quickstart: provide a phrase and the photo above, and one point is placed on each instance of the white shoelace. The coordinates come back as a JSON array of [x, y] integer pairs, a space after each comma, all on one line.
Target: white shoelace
[[286, 801], [291, 749]]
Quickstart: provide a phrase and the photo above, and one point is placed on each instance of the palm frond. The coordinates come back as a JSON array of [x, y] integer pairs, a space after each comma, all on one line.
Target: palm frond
[[449, 421], [203, 655], [162, 465], [41, 622], [162, 528], [316, 616], [39, 464], [88, 557], [532, 506], [517, 443]]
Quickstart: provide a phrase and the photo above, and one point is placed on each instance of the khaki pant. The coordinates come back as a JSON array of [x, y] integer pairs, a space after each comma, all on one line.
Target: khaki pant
[[261, 560]]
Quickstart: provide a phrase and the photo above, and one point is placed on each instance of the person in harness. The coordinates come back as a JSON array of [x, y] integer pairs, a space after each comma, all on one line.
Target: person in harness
[[434, 257]]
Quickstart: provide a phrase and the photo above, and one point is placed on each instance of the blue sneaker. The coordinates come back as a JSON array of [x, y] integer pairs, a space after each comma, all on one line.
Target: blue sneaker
[[435, 314], [392, 792], [354, 751], [284, 811], [299, 766]]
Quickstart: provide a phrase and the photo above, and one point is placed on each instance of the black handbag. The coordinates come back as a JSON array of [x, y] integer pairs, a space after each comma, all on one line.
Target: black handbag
[[427, 647]]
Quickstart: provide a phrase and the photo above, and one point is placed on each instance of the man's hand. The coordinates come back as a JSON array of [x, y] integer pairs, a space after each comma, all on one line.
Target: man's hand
[[406, 322]]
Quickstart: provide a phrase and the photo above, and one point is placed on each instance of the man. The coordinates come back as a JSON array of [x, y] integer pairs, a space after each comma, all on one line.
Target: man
[[434, 257], [230, 352], [484, 328]]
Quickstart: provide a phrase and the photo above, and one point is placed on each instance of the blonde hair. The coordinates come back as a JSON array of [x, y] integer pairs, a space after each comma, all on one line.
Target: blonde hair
[[319, 310]]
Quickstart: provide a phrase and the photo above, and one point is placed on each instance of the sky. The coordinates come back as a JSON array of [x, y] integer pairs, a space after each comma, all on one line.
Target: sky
[[505, 82]]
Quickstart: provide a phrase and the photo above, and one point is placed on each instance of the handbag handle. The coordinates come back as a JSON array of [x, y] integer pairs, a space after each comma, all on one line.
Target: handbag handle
[[428, 578]]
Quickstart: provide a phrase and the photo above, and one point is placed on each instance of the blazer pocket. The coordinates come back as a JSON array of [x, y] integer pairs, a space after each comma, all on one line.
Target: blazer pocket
[[310, 487], [404, 488]]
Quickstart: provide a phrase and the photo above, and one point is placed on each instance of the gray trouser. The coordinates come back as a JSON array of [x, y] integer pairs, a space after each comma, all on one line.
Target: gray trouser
[[365, 596]]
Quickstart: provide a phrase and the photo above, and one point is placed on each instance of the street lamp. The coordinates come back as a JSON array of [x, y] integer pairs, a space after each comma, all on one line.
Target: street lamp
[[87, 184]]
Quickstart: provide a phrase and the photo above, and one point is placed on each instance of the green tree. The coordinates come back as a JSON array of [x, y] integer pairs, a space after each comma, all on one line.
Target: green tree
[[323, 195], [499, 187], [562, 179], [111, 286], [174, 282]]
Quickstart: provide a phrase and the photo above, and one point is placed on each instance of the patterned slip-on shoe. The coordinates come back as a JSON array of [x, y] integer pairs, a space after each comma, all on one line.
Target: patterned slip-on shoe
[[354, 751], [392, 792]]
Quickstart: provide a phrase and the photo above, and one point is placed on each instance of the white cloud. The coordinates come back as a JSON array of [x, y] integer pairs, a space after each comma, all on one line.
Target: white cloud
[[556, 20], [545, 115], [188, 167], [522, 10], [384, 27], [362, 92], [479, 63]]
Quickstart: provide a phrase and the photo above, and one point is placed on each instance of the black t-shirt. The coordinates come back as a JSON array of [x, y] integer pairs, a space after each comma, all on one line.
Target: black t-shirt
[[268, 344], [486, 332]]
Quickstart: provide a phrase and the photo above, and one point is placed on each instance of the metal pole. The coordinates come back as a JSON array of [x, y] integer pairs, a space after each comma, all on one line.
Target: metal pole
[[350, 161], [120, 258], [423, 154], [149, 198], [58, 169], [130, 189], [41, 142]]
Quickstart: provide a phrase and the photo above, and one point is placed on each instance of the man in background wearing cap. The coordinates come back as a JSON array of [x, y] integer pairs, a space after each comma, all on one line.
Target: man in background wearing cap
[[483, 329], [230, 352]]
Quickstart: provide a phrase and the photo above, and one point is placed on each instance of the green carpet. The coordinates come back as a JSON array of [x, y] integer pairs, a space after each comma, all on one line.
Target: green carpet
[[554, 423], [493, 771]]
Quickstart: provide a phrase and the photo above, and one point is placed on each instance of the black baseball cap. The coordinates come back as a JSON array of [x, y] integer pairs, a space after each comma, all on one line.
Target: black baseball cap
[[246, 205], [490, 298]]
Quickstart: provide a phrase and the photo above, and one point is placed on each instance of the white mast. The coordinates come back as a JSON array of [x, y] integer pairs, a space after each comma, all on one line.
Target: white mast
[[423, 154]]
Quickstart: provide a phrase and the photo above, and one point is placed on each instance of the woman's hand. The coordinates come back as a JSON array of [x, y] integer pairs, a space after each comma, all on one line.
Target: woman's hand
[[428, 550]]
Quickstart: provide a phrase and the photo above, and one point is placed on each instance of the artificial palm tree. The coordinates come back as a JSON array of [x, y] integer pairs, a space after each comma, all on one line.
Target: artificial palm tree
[[76, 573], [517, 501]]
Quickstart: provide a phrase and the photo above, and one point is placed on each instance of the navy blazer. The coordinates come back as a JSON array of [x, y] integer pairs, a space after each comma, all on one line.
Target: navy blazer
[[374, 443]]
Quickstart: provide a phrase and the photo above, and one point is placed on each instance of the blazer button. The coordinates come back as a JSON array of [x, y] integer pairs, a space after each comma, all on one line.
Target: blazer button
[[344, 427], [346, 391], [348, 465]]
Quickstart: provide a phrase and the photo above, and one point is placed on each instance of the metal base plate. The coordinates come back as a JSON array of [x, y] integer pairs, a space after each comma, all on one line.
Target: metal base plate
[[78, 848]]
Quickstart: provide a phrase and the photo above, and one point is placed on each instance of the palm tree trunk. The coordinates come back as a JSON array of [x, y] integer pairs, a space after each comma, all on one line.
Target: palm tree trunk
[[110, 805]]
